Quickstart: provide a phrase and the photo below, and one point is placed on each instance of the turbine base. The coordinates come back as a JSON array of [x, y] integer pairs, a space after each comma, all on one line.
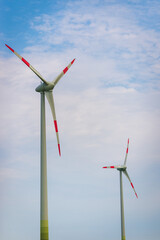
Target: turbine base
[[44, 230]]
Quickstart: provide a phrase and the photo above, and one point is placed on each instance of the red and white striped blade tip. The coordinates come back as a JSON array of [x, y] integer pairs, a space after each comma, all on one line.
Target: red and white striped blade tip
[[109, 167], [23, 60], [73, 61], [9, 48], [59, 149], [66, 68], [56, 129], [134, 189]]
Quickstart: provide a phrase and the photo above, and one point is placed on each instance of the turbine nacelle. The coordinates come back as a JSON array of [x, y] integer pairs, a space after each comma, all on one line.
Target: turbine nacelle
[[121, 168], [43, 87]]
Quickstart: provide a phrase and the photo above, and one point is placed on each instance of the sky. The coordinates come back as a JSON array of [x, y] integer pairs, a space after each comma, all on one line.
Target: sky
[[111, 93]]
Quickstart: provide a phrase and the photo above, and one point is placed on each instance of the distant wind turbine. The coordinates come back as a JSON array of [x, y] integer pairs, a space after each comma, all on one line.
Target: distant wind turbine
[[45, 88], [122, 169]]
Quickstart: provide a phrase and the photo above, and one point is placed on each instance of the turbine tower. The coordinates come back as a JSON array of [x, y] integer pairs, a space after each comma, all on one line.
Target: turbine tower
[[123, 169], [45, 88]]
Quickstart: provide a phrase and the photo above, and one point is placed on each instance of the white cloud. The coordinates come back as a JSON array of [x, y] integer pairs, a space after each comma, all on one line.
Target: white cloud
[[108, 33]]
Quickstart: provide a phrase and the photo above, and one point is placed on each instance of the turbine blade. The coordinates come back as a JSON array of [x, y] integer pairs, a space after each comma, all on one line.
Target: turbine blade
[[126, 152], [49, 96], [125, 172], [111, 167], [55, 81], [28, 64]]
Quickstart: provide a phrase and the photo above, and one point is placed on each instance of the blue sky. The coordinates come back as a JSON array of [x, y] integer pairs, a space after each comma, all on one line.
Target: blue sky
[[112, 92]]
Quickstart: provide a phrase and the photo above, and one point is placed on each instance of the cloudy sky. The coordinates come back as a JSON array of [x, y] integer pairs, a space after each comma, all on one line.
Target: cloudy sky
[[110, 94]]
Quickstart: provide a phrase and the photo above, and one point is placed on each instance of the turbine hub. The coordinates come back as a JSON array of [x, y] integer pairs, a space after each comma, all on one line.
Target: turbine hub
[[121, 168]]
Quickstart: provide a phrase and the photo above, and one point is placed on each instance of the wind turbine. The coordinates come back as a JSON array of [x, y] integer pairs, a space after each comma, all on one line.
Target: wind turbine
[[123, 169], [45, 88]]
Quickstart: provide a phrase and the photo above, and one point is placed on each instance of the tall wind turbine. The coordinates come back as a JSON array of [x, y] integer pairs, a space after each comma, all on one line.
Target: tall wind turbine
[[45, 88], [123, 169]]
